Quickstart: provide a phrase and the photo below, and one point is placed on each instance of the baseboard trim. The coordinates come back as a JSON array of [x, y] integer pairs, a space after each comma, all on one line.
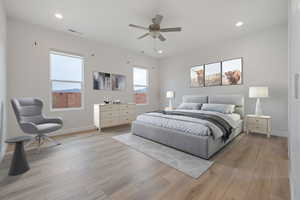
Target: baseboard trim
[[74, 130], [280, 133]]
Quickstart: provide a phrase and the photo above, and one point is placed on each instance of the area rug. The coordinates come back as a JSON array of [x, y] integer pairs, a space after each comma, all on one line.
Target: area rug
[[186, 163]]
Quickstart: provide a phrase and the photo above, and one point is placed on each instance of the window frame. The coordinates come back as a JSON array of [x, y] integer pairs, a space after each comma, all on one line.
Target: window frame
[[73, 55], [147, 84]]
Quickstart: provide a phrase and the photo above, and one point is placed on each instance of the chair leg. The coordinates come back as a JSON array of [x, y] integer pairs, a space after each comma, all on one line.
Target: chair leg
[[51, 140], [30, 142], [39, 139]]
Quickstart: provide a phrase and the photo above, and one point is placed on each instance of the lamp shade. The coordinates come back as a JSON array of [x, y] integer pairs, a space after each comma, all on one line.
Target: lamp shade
[[258, 92], [170, 94]]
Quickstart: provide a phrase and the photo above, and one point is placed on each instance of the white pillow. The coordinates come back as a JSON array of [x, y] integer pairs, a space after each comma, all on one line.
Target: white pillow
[[222, 108], [190, 106]]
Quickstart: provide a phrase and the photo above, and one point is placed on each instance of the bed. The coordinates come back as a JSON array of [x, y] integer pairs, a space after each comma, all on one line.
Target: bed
[[186, 131]]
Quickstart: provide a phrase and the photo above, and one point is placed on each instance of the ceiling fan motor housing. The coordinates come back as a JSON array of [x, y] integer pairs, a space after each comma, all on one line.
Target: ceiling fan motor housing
[[154, 27], [154, 30]]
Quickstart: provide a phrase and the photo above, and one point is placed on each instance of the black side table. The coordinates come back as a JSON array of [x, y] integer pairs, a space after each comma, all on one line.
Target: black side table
[[19, 164]]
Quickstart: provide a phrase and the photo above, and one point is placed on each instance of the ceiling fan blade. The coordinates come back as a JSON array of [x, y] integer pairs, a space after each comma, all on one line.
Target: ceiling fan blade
[[145, 35], [157, 19], [161, 37], [177, 29], [137, 26]]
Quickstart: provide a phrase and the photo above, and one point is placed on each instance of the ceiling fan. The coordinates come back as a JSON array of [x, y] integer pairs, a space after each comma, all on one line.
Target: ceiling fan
[[155, 30]]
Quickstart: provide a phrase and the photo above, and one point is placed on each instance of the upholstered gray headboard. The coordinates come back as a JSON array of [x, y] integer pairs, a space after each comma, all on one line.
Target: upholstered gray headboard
[[194, 99], [237, 100]]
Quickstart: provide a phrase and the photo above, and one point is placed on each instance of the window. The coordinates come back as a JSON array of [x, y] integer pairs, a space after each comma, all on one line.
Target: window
[[140, 85], [66, 79]]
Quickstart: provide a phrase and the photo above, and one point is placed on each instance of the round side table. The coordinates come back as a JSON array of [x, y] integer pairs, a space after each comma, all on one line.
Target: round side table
[[19, 164]]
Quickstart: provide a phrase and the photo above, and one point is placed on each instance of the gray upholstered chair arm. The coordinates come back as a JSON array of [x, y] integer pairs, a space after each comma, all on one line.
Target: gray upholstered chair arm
[[56, 120], [28, 127]]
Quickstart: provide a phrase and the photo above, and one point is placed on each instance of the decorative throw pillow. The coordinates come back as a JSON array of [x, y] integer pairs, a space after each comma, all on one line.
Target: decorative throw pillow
[[222, 108], [190, 106]]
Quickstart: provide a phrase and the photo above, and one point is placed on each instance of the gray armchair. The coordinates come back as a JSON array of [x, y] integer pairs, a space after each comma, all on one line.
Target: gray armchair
[[31, 120]]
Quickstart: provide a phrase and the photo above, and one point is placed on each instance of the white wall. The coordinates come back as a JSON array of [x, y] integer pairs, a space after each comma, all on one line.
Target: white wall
[[294, 104], [29, 71], [2, 79], [265, 64]]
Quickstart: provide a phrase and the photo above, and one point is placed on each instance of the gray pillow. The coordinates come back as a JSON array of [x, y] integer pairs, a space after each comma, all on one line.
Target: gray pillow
[[222, 108], [190, 106]]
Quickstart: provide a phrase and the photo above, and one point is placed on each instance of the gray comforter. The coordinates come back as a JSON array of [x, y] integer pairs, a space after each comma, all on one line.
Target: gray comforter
[[221, 123]]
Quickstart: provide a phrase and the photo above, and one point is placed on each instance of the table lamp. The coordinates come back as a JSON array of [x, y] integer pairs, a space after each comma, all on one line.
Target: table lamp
[[258, 92], [170, 96]]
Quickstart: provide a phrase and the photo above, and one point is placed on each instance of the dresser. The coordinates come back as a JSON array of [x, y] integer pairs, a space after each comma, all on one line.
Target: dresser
[[109, 115], [258, 124]]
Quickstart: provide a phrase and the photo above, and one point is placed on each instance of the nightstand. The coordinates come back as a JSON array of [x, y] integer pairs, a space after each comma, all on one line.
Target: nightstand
[[258, 124], [169, 109]]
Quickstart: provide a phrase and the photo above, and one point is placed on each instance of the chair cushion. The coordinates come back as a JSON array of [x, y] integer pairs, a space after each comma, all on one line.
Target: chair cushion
[[48, 127]]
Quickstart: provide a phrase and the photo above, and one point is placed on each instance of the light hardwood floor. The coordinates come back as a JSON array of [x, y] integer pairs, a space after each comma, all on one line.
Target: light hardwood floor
[[93, 166]]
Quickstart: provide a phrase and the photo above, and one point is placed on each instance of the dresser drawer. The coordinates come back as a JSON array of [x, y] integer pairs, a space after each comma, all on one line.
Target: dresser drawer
[[127, 107], [127, 112], [257, 121], [109, 107], [127, 117], [258, 127], [109, 122], [109, 114], [125, 121]]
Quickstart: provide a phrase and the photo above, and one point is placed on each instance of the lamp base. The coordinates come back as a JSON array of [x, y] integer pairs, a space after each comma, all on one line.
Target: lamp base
[[170, 104], [258, 109]]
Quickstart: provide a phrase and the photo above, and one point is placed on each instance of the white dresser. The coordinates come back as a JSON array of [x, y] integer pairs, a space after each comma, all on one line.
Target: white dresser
[[108, 115]]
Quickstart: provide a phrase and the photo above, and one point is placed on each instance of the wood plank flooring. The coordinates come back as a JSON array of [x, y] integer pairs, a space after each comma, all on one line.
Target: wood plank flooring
[[94, 166]]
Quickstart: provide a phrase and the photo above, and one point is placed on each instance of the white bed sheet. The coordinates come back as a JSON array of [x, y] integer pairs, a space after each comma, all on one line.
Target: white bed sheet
[[236, 117]]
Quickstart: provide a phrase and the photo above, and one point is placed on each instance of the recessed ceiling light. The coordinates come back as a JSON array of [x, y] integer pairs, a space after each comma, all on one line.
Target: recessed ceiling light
[[58, 16], [160, 51], [239, 24]]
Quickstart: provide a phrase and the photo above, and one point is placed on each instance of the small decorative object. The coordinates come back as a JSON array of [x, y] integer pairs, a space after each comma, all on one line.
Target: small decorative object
[[117, 102], [258, 92], [101, 81], [197, 76], [232, 72], [106, 100], [213, 74], [170, 96], [118, 82]]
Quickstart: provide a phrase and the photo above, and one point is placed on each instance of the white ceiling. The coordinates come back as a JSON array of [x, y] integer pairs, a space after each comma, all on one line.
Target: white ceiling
[[203, 21]]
